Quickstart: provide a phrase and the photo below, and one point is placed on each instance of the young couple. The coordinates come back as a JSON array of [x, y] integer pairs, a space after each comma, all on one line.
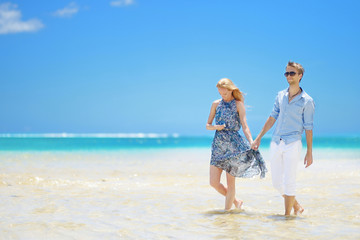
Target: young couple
[[294, 110]]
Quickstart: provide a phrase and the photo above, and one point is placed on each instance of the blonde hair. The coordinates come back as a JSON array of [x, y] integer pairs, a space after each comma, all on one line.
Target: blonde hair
[[228, 84]]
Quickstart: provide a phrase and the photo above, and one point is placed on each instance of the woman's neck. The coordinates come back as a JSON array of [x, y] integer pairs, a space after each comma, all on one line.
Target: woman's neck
[[228, 99]]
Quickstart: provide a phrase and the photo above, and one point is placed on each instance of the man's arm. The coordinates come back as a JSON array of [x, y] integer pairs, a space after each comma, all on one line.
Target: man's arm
[[308, 126], [309, 142], [267, 126]]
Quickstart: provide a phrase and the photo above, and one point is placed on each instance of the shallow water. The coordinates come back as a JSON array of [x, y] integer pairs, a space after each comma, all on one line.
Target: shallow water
[[164, 194]]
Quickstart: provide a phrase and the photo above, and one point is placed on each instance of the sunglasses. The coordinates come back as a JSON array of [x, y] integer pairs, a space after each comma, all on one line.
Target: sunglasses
[[289, 73]]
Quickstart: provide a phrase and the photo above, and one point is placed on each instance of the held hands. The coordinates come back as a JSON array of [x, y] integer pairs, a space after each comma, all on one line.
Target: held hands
[[308, 159], [255, 144]]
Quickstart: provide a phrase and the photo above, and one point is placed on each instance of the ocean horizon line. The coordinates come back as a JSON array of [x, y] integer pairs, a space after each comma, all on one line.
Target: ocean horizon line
[[88, 135], [143, 135]]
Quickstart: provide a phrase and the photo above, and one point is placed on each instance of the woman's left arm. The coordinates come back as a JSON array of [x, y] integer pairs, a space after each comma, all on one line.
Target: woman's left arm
[[242, 114]]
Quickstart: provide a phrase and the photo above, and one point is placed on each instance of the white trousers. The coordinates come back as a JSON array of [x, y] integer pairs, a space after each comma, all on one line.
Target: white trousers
[[283, 161]]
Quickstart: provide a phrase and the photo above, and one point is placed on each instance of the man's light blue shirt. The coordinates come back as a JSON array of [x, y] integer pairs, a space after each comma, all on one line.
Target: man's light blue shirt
[[292, 118]]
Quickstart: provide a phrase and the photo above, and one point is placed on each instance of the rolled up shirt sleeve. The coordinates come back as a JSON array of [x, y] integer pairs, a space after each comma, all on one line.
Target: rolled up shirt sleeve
[[308, 117], [276, 110]]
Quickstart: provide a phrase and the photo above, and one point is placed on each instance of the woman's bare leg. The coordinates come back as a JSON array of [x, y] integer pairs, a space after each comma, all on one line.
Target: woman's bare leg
[[215, 175], [230, 194]]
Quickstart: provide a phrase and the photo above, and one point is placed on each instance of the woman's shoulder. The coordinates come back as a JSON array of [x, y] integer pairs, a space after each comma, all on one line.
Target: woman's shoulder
[[216, 102]]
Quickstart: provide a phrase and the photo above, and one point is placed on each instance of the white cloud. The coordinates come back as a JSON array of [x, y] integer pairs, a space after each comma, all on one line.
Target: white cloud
[[121, 3], [10, 20], [67, 11]]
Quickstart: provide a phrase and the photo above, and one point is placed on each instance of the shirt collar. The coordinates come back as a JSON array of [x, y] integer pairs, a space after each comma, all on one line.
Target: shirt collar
[[301, 95]]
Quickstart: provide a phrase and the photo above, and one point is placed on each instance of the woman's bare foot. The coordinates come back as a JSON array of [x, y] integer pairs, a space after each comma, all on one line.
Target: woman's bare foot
[[298, 209], [238, 203]]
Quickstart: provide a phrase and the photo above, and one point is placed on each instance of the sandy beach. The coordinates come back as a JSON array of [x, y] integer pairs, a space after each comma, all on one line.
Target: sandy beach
[[164, 194]]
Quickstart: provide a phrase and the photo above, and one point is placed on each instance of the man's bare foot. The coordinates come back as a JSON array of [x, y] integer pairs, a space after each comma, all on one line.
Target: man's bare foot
[[298, 209], [238, 203]]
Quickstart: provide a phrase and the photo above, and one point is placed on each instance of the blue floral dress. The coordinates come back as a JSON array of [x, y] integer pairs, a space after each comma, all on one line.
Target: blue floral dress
[[230, 151]]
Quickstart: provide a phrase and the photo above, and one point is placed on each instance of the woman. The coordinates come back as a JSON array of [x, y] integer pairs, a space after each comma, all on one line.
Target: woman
[[230, 151]]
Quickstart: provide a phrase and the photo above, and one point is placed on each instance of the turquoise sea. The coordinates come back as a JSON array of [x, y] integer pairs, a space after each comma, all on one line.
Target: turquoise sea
[[156, 186], [68, 142]]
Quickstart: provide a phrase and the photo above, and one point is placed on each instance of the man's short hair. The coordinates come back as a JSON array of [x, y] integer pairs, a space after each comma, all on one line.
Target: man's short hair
[[298, 67]]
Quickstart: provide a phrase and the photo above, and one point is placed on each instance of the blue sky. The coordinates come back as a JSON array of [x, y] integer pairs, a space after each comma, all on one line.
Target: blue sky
[[134, 66]]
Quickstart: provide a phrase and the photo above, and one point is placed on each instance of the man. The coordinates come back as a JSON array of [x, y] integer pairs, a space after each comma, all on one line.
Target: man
[[294, 110]]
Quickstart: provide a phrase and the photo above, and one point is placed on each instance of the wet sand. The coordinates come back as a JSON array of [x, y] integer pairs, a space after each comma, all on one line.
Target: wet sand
[[163, 194]]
